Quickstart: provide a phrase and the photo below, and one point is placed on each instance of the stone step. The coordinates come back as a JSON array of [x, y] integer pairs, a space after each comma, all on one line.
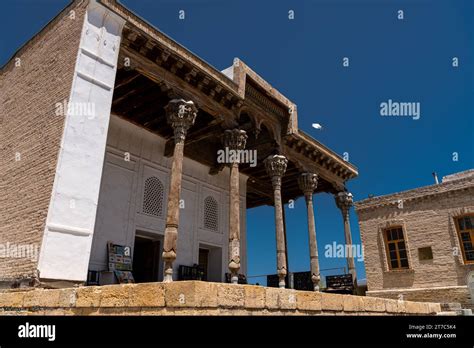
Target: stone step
[[451, 314], [457, 312], [452, 306]]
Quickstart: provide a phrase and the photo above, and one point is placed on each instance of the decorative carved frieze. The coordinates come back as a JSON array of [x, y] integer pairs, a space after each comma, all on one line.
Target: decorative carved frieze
[[264, 101], [203, 83], [190, 75], [177, 66], [165, 55]]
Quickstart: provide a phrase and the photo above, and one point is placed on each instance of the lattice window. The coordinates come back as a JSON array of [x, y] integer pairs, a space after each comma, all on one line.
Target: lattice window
[[153, 195], [211, 214]]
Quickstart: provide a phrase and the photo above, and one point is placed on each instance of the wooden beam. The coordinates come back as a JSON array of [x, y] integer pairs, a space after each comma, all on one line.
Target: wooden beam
[[157, 73], [320, 169], [198, 135], [148, 99], [216, 168], [253, 203], [132, 88], [126, 80], [260, 187]]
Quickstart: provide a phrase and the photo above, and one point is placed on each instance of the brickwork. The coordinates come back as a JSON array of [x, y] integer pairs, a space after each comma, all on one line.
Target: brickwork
[[30, 133], [427, 218], [199, 298]]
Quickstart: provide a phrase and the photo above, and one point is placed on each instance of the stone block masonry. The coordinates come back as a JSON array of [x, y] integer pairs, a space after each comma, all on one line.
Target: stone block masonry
[[199, 298]]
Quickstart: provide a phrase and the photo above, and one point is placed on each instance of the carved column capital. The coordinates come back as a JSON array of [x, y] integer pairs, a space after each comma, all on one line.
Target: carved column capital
[[275, 166], [344, 201], [308, 183], [235, 139], [180, 115]]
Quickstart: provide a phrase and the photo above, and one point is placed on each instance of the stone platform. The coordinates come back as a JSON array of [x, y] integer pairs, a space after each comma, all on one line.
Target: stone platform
[[199, 298]]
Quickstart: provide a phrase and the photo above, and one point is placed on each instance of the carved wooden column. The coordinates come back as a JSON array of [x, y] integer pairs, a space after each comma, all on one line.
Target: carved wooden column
[[276, 166], [308, 183], [344, 202], [235, 141], [283, 214], [181, 115]]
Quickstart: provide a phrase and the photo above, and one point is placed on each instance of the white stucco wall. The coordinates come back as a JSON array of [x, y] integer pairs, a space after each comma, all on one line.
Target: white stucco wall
[[71, 216], [120, 215]]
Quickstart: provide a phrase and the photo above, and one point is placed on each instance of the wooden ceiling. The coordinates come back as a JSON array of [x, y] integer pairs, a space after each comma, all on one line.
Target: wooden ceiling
[[158, 72], [141, 101]]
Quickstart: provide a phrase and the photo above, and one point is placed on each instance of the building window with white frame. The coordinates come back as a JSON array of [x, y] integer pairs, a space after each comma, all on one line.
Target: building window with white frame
[[211, 214]]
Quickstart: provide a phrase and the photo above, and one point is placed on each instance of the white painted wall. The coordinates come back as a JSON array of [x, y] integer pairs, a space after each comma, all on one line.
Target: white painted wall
[[120, 213], [71, 216]]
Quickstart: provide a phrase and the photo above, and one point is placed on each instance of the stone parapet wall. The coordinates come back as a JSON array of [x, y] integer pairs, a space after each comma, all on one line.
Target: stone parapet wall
[[199, 298], [459, 294]]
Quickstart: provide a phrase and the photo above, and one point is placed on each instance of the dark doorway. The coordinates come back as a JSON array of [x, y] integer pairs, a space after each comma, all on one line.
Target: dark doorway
[[204, 262], [146, 258]]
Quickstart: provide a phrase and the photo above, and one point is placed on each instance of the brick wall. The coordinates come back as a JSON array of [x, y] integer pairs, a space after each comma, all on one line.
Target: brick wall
[[427, 221], [30, 127]]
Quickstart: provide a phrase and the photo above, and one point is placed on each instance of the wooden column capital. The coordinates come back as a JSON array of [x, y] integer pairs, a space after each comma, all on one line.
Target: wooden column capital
[[344, 201], [180, 115], [275, 166], [235, 139], [308, 182]]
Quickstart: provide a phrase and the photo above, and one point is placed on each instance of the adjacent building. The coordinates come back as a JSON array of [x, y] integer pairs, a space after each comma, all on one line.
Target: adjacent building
[[419, 244]]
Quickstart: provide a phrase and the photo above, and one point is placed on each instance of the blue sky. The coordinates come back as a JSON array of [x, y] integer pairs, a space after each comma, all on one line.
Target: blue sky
[[407, 60]]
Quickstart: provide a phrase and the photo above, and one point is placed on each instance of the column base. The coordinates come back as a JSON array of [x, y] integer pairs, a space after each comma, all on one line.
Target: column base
[[168, 273], [167, 279], [234, 266]]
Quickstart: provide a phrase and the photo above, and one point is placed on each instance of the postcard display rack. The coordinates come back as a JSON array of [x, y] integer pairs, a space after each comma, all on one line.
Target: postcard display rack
[[120, 262]]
